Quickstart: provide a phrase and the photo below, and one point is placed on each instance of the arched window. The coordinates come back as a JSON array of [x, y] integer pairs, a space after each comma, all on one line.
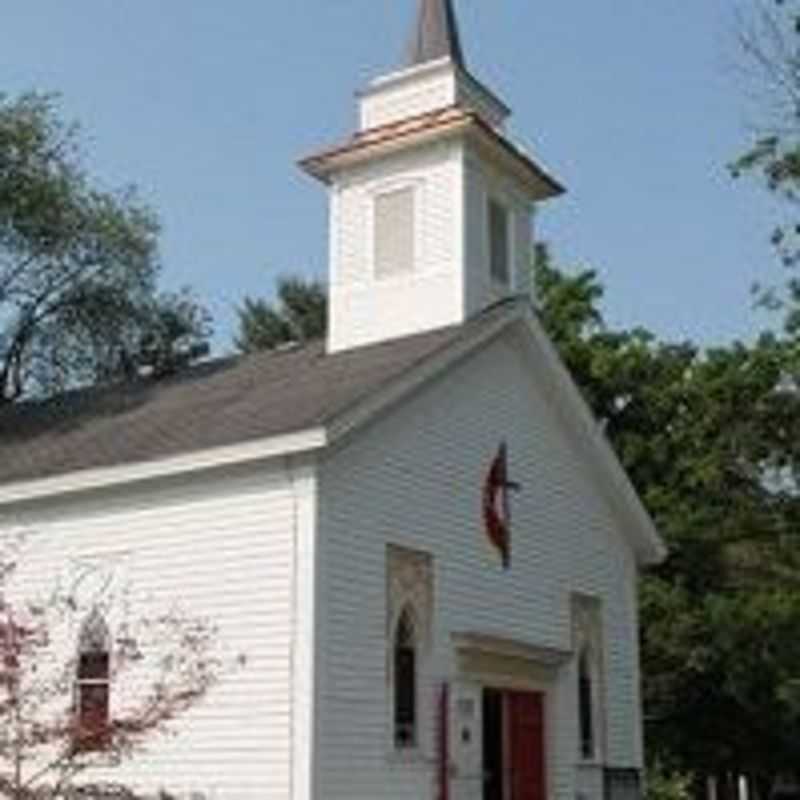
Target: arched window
[[93, 680], [405, 681], [586, 692]]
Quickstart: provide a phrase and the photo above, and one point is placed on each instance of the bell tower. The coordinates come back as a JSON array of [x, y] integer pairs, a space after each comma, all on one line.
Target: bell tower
[[430, 200]]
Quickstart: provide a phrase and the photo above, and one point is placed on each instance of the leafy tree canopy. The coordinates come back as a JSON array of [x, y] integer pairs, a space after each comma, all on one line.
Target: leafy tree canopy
[[78, 267], [711, 440], [298, 315]]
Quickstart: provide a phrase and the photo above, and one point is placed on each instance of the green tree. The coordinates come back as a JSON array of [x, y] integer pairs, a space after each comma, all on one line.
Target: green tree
[[710, 439], [78, 266], [299, 315]]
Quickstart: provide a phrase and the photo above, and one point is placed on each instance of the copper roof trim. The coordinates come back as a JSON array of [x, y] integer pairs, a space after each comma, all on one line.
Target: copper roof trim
[[452, 117]]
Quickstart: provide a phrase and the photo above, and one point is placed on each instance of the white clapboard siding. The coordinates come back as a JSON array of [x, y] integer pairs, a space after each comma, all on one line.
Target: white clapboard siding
[[396, 98], [368, 307], [481, 183], [222, 548], [448, 279], [422, 89], [414, 479]]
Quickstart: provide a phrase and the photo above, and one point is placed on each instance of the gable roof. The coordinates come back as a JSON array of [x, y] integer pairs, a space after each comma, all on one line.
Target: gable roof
[[272, 404], [216, 404]]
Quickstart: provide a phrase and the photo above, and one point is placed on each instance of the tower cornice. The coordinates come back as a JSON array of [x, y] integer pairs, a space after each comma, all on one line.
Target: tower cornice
[[425, 128]]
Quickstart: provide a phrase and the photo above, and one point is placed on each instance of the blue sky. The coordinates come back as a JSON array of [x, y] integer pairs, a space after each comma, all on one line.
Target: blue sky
[[206, 106]]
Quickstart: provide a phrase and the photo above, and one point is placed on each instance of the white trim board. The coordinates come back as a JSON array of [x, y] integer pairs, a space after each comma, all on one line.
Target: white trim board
[[91, 479]]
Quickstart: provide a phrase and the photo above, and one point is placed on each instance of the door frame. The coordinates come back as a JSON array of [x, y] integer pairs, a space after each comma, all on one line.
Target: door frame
[[504, 665]]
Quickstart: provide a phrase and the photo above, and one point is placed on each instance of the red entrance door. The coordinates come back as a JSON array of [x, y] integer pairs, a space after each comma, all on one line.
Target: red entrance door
[[526, 733]]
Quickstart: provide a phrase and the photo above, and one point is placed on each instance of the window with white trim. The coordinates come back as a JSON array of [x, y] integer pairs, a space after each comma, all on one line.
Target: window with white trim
[[499, 243], [93, 685], [394, 232]]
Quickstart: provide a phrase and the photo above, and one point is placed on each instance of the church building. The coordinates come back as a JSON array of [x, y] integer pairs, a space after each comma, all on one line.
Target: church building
[[412, 538]]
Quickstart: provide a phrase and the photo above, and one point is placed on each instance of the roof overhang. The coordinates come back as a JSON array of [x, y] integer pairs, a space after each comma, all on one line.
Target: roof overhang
[[452, 122], [637, 524], [330, 432], [479, 643], [94, 479]]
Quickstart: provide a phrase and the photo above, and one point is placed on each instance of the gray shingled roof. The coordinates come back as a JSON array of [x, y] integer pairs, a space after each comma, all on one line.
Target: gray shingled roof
[[215, 404], [435, 34]]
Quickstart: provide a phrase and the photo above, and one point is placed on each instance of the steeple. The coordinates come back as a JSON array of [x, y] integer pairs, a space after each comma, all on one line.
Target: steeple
[[430, 200], [435, 35]]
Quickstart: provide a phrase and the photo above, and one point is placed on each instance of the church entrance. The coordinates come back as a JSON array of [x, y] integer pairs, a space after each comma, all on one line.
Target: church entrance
[[513, 745]]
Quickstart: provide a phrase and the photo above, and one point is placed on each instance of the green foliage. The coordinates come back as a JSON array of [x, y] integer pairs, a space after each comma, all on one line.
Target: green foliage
[[173, 332], [299, 315], [663, 784], [711, 440], [78, 266]]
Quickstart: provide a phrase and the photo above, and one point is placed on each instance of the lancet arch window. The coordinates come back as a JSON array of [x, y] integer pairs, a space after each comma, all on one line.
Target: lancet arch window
[[93, 684], [405, 659], [589, 677], [586, 703], [409, 610]]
